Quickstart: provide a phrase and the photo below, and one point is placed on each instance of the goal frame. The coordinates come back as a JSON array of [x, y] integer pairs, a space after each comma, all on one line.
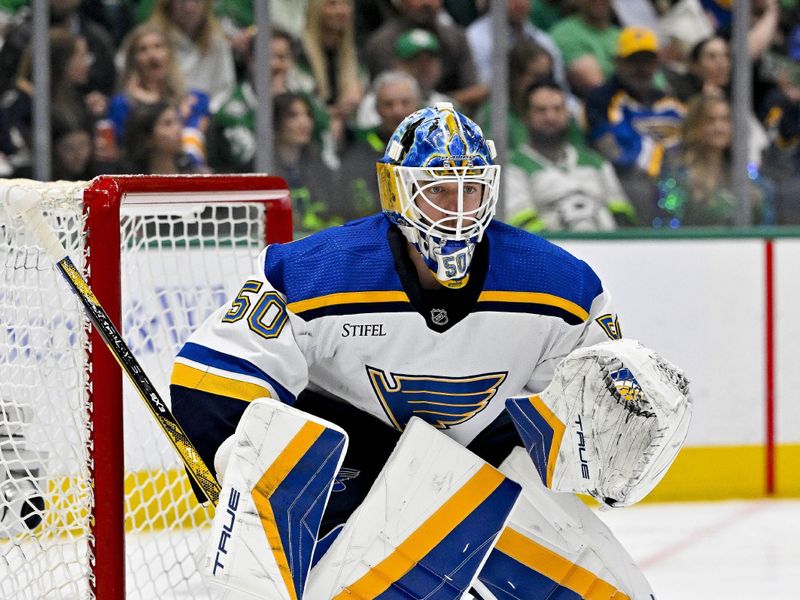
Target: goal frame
[[102, 202]]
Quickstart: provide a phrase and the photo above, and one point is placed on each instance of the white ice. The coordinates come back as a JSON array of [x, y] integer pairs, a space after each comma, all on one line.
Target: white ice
[[732, 550]]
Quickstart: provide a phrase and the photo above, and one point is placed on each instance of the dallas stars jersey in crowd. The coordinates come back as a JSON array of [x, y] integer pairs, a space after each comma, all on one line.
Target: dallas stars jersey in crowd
[[342, 312]]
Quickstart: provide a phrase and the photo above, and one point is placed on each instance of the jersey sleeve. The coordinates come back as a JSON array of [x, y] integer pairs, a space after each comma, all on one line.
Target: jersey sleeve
[[245, 350], [601, 325]]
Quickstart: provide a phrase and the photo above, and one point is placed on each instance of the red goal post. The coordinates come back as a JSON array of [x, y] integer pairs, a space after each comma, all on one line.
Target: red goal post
[[160, 253]]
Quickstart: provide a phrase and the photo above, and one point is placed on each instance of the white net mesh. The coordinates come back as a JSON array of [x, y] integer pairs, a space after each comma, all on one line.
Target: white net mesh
[[43, 453], [179, 262]]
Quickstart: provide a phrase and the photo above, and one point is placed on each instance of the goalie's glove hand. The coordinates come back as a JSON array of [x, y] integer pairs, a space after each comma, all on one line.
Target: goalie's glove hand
[[609, 424]]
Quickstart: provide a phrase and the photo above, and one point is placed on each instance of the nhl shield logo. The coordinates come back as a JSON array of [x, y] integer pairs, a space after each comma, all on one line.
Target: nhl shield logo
[[439, 316]]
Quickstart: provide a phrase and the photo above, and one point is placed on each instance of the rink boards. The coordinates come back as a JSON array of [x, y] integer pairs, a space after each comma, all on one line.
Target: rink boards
[[723, 309]]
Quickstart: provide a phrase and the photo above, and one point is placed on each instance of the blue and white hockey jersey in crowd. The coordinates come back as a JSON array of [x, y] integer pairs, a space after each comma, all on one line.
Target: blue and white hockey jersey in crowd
[[342, 313]]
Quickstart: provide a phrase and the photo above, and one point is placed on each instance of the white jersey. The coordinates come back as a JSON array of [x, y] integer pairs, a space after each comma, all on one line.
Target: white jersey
[[338, 312]]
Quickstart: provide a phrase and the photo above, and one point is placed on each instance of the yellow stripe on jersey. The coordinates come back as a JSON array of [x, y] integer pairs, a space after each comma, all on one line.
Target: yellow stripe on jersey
[[668, 102], [535, 298], [553, 566], [269, 482], [197, 379], [558, 433], [347, 298], [426, 537], [614, 107], [656, 160]]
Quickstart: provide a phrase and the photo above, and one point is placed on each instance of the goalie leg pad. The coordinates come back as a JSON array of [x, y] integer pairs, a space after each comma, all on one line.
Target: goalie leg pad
[[554, 546], [609, 424], [425, 528], [277, 483]]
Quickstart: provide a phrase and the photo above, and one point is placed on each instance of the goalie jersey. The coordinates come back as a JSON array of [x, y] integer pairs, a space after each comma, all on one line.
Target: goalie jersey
[[342, 313]]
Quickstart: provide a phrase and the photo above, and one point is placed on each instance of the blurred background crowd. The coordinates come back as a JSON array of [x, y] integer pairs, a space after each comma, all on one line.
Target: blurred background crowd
[[619, 113]]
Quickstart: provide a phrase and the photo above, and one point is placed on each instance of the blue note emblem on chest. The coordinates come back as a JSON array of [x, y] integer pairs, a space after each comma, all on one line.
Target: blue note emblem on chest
[[441, 401]]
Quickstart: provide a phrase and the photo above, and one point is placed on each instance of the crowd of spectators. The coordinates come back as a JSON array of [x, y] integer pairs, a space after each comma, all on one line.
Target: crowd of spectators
[[619, 112]]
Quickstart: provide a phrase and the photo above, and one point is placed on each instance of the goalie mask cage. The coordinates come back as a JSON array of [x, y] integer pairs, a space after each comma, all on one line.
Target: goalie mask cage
[[83, 515]]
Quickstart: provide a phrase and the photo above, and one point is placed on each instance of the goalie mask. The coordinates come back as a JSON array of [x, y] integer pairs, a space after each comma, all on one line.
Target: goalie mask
[[438, 184]]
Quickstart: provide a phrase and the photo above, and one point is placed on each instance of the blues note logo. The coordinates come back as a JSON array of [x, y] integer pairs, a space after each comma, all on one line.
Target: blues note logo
[[441, 401], [627, 386], [343, 475]]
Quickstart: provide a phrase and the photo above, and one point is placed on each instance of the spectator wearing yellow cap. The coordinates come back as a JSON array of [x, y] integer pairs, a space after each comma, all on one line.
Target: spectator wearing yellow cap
[[631, 121], [636, 60]]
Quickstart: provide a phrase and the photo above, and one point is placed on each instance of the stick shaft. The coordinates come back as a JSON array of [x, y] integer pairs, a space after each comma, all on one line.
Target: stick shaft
[[20, 201], [158, 408]]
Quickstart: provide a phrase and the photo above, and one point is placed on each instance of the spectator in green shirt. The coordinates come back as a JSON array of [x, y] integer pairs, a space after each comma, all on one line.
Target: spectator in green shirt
[[588, 44]]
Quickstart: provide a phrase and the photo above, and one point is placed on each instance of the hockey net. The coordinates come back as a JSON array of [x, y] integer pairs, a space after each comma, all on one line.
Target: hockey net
[[82, 513]]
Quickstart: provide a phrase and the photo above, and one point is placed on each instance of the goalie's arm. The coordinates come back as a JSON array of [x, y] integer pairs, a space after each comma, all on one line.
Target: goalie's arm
[[601, 323], [243, 351]]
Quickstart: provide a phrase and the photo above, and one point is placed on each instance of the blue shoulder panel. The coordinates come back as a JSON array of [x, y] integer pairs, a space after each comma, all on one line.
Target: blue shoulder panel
[[339, 271], [523, 262], [351, 268], [354, 257]]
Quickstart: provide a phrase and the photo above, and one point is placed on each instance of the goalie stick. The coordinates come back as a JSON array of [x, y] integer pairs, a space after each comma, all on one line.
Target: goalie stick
[[23, 203]]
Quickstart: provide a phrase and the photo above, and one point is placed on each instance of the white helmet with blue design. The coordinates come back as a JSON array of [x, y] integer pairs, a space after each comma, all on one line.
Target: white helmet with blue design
[[438, 183]]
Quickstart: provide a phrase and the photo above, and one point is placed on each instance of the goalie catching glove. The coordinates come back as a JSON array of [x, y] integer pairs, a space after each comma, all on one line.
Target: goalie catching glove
[[609, 424]]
